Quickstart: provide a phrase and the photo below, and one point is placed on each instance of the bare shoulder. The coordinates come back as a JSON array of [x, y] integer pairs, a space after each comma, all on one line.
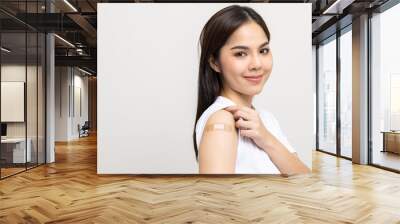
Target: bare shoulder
[[218, 146], [221, 116]]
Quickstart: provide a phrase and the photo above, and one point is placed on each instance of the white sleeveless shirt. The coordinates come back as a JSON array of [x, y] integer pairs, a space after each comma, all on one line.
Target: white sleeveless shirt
[[250, 158]]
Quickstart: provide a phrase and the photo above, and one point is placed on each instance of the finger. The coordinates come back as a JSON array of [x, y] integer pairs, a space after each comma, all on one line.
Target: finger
[[243, 125], [250, 111], [242, 114], [237, 107]]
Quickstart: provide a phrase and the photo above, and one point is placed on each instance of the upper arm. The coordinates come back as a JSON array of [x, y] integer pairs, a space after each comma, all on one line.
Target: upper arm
[[218, 148]]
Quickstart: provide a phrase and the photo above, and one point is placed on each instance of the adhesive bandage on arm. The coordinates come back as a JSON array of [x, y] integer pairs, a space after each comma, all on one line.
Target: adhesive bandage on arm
[[219, 127]]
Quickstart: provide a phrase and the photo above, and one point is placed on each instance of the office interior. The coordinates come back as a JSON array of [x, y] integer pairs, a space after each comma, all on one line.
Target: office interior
[[48, 80], [48, 75]]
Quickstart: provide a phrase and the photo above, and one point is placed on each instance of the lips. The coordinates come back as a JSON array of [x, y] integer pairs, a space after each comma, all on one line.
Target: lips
[[254, 79]]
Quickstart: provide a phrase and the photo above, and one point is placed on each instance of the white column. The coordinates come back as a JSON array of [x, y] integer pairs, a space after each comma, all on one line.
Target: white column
[[360, 90], [50, 92]]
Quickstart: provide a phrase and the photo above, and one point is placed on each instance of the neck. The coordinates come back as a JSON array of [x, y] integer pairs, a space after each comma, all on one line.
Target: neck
[[239, 99]]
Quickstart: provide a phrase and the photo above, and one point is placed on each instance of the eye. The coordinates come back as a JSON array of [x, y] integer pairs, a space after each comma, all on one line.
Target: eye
[[240, 54], [264, 51]]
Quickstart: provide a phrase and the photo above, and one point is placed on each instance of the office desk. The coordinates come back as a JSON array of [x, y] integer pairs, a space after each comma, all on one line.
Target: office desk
[[15, 148], [391, 141]]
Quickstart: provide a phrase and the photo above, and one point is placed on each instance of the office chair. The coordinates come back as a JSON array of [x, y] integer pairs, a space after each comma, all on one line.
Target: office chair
[[84, 130]]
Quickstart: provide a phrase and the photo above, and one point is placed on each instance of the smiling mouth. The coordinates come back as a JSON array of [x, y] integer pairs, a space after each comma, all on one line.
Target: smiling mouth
[[254, 79], [253, 76]]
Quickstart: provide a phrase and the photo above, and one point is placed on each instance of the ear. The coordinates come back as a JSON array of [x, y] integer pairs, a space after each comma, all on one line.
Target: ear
[[214, 64]]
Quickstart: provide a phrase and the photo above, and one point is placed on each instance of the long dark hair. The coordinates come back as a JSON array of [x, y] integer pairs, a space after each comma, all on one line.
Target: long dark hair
[[212, 38]]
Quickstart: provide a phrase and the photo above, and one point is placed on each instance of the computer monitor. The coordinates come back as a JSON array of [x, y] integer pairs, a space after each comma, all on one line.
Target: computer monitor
[[3, 129]]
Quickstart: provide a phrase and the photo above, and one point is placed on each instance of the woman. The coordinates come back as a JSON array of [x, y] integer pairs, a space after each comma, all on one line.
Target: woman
[[231, 135]]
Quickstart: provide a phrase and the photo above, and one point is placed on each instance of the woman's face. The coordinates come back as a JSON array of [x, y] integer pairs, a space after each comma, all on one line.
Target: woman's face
[[245, 61]]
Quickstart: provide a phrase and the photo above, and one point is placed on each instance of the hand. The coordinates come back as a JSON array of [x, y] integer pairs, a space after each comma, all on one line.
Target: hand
[[249, 123]]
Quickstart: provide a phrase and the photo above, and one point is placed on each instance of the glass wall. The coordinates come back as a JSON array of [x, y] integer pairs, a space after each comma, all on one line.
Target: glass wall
[[327, 95], [385, 89], [22, 91], [346, 92], [335, 74], [13, 91]]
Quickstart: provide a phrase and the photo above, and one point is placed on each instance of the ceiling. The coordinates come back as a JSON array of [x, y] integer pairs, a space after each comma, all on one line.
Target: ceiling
[[76, 22]]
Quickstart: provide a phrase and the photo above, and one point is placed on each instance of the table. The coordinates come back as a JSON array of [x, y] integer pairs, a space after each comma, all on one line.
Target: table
[[391, 141], [15, 148]]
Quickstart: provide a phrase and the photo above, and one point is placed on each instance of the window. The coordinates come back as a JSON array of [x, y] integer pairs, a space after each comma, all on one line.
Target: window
[[346, 93], [327, 96], [385, 89]]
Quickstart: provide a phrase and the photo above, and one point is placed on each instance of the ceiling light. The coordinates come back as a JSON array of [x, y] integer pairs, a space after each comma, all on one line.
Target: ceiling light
[[64, 40], [70, 5], [329, 9], [5, 50], [337, 7], [84, 71]]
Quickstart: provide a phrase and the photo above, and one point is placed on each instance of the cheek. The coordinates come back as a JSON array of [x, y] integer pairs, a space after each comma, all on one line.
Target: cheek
[[268, 63], [234, 66]]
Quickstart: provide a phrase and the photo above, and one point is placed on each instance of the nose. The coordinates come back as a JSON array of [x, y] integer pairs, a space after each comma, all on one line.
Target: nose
[[255, 63]]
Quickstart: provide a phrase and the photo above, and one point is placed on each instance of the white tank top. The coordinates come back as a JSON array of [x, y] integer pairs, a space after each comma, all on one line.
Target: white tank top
[[250, 158]]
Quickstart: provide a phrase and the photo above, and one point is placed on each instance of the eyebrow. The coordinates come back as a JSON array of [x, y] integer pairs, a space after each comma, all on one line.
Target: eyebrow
[[245, 47]]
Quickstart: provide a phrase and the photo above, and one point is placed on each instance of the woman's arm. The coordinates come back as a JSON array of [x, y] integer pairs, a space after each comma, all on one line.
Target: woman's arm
[[218, 145], [286, 161], [251, 125]]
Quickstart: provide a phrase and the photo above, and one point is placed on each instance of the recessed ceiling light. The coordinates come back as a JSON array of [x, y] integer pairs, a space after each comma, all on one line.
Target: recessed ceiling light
[[5, 50]]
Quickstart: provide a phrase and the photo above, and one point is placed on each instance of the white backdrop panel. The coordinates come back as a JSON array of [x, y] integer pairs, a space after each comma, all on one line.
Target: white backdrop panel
[[147, 82]]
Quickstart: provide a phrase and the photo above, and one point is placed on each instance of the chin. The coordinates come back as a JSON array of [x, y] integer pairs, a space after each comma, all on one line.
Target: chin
[[252, 91]]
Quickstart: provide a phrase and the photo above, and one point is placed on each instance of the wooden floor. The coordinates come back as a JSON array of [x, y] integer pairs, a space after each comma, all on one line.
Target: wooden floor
[[70, 191], [5, 172]]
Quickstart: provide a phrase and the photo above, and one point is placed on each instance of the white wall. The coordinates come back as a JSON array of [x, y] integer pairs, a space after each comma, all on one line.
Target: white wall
[[80, 84], [68, 81], [61, 103], [147, 82]]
